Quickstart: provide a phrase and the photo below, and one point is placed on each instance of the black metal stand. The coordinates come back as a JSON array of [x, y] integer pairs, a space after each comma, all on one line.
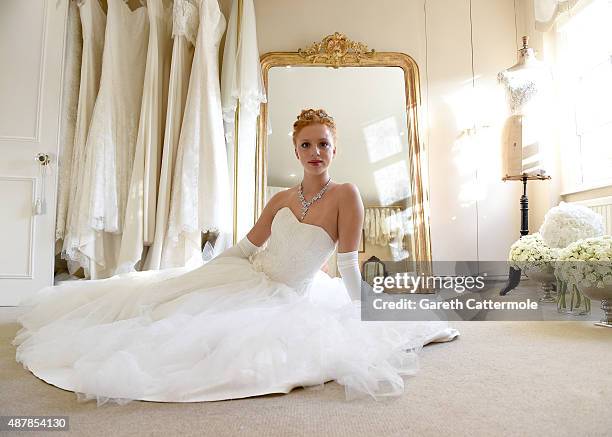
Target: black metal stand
[[514, 275]]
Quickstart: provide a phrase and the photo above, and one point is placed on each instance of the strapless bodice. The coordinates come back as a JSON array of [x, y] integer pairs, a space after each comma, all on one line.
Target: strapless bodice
[[295, 251]]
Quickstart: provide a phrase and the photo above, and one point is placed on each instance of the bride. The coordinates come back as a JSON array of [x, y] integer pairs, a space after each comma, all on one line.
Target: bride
[[251, 321]]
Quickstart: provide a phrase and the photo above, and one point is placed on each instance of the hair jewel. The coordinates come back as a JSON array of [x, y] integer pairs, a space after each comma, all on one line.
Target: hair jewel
[[310, 116]]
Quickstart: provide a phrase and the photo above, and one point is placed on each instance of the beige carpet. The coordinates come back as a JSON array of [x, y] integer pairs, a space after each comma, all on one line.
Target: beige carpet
[[498, 378]]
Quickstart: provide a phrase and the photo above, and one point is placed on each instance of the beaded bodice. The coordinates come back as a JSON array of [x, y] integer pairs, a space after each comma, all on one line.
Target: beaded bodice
[[295, 252]]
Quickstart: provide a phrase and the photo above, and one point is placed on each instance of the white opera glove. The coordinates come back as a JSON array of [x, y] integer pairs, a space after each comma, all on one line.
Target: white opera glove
[[348, 266], [243, 249]]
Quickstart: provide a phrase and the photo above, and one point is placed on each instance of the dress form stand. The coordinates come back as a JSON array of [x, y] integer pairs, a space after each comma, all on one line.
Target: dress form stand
[[523, 82], [514, 275]]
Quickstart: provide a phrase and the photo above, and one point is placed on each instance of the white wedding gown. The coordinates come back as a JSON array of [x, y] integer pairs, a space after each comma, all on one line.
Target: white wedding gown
[[112, 137], [141, 204], [231, 328], [69, 113], [185, 21], [93, 23], [201, 199]]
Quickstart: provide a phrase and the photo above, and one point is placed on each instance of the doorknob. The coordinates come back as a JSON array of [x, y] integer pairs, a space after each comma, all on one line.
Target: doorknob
[[42, 158], [39, 202]]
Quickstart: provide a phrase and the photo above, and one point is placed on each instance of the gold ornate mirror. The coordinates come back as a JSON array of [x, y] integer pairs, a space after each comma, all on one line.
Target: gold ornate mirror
[[374, 98]]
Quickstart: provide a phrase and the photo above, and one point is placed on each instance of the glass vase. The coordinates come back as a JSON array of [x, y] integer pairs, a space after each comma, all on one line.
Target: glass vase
[[570, 300], [546, 278]]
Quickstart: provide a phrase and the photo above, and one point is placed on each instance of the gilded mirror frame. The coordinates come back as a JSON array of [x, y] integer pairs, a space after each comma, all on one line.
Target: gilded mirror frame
[[337, 51]]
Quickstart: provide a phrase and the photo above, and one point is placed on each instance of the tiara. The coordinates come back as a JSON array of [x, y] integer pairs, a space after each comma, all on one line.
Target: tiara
[[308, 114]]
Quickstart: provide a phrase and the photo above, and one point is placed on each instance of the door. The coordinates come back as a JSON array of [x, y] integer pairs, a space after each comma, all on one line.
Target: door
[[32, 35]]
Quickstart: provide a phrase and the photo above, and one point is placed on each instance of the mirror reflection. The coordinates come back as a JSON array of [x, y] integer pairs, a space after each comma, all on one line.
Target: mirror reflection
[[369, 107]]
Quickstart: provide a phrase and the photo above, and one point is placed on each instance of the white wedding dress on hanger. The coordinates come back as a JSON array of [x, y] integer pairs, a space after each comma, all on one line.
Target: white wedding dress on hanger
[[232, 328], [93, 24], [201, 199], [139, 225], [184, 32], [68, 113], [112, 136]]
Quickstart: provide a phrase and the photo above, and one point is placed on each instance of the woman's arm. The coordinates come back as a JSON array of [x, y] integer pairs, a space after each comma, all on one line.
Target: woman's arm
[[350, 224], [259, 233], [262, 229], [350, 218]]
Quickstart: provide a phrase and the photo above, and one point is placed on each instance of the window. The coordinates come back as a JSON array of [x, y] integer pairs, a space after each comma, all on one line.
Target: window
[[583, 75]]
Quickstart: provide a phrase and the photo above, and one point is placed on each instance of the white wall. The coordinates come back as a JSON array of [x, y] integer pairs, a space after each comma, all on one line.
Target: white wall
[[543, 196], [474, 215]]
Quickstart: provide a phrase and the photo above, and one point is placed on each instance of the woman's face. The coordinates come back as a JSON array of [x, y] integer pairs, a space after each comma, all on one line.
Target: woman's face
[[315, 148]]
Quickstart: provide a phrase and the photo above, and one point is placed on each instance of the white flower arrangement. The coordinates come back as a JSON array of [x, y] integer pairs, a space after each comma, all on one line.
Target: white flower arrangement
[[569, 222], [531, 252], [586, 263]]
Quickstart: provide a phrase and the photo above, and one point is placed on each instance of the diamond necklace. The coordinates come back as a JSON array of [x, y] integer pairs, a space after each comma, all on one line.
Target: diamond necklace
[[306, 203]]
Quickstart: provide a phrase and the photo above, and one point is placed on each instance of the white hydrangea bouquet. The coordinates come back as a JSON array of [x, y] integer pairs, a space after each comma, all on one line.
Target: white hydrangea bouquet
[[530, 252], [583, 264], [560, 241], [568, 222], [586, 263]]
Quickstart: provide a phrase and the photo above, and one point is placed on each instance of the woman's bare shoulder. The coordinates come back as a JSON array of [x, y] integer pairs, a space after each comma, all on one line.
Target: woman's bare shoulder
[[348, 187], [349, 195]]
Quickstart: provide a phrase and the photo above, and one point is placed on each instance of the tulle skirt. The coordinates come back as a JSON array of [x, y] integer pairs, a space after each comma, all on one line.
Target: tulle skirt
[[221, 331]]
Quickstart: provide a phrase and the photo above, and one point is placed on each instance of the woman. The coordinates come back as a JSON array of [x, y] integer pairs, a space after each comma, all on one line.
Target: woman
[[251, 321]]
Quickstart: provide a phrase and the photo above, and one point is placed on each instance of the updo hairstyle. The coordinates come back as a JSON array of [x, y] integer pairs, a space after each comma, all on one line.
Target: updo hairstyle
[[313, 116]]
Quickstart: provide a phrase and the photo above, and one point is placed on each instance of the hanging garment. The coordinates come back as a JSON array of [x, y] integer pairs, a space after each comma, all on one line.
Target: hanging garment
[[385, 226], [69, 109], [372, 228], [231, 328], [112, 135], [378, 219], [396, 243], [139, 224], [184, 31], [241, 78], [367, 224], [392, 223], [396, 222], [201, 199], [401, 217], [114, 126], [241, 84], [93, 23], [403, 229]]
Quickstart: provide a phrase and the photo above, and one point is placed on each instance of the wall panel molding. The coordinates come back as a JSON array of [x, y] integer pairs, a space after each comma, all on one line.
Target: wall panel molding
[[27, 270], [41, 83]]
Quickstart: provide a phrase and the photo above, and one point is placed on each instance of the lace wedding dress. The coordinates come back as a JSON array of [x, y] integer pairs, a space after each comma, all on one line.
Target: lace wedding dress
[[112, 136], [232, 328], [201, 199], [93, 23], [184, 32]]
